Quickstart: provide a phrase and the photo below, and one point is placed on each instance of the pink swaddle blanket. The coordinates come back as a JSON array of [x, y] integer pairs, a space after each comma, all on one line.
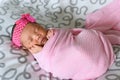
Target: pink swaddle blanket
[[83, 54]]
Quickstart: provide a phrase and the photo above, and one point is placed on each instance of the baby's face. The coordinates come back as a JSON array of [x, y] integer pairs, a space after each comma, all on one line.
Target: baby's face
[[32, 36]]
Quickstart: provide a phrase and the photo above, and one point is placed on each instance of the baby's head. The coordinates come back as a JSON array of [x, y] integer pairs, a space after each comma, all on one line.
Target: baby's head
[[28, 34]]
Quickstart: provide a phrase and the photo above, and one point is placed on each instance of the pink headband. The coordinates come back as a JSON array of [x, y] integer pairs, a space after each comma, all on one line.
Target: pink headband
[[20, 24]]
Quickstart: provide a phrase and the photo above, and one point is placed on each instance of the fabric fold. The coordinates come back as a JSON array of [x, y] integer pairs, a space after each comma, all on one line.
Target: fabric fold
[[107, 21]]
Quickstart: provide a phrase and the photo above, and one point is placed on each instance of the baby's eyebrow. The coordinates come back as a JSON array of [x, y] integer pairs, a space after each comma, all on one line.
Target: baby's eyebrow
[[37, 45]]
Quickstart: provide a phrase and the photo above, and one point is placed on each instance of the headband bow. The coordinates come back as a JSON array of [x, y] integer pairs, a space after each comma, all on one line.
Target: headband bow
[[20, 24]]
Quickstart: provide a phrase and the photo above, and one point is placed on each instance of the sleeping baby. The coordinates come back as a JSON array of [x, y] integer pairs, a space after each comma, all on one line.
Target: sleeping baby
[[73, 53]]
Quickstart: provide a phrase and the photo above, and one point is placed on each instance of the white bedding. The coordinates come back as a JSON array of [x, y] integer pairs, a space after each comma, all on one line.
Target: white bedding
[[16, 64]]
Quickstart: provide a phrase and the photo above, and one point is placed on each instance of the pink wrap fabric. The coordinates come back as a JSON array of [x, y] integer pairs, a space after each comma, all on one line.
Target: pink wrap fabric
[[79, 54], [83, 54]]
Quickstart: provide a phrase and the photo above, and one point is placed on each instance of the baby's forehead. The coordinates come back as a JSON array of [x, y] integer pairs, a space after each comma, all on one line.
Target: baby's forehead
[[29, 27], [34, 25], [27, 31]]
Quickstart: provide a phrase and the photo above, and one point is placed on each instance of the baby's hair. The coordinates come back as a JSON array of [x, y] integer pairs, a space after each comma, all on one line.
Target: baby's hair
[[12, 31]]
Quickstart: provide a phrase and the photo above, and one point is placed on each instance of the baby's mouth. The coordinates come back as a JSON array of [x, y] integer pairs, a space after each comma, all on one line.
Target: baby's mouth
[[43, 41]]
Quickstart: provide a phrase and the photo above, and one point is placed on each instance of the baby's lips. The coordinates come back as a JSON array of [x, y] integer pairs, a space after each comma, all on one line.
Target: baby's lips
[[40, 40], [43, 40]]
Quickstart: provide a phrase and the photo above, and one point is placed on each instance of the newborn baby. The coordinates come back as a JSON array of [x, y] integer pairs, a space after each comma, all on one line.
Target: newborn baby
[[76, 53]]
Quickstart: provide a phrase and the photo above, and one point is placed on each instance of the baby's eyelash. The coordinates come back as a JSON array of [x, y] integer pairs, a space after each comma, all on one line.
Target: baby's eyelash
[[37, 44]]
